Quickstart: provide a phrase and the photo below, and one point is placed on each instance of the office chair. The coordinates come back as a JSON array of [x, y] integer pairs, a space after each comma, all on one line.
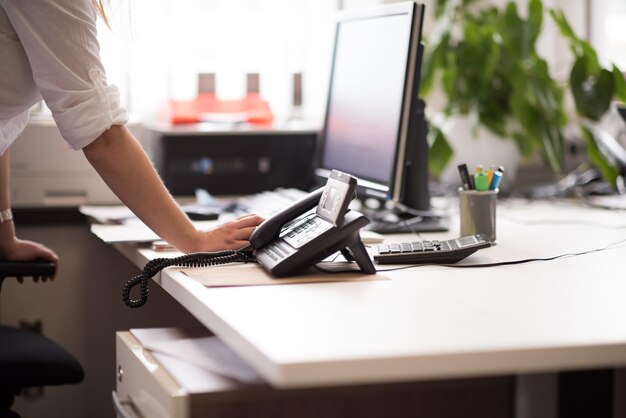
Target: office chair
[[28, 359]]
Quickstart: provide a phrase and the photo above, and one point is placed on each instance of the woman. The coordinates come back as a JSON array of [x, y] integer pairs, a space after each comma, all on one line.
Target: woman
[[49, 50]]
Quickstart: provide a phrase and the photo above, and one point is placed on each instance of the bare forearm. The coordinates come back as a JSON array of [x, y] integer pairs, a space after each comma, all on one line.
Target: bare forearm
[[7, 231], [11, 247], [125, 167], [4, 180]]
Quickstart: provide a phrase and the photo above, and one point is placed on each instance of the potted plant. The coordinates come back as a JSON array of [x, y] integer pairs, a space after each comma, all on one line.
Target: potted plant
[[485, 61]]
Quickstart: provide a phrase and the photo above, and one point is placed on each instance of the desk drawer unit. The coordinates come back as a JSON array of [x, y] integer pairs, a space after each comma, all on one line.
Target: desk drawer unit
[[144, 387], [149, 387]]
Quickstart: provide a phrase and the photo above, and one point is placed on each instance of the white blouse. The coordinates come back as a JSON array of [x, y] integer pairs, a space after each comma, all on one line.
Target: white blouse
[[49, 50]]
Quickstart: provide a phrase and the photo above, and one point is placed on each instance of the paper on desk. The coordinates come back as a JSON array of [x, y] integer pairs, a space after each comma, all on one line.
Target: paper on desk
[[124, 233], [136, 232], [210, 354], [252, 274], [107, 214]]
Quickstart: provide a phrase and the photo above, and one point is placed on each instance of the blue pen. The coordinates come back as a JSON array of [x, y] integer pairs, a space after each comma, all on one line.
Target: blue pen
[[495, 181]]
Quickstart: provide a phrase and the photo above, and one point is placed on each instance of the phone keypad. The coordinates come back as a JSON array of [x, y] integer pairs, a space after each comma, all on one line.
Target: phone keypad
[[306, 231]]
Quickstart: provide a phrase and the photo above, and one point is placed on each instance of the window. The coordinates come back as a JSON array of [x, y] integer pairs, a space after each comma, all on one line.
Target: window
[[615, 32], [607, 27], [156, 49]]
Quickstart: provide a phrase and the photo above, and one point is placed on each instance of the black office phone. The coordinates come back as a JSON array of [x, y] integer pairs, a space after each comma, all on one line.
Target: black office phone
[[288, 243]]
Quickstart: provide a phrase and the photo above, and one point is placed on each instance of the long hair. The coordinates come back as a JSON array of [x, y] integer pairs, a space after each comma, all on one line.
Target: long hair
[[99, 6]]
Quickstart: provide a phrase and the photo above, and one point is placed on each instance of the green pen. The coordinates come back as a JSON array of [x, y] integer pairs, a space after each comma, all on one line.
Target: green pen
[[481, 182]]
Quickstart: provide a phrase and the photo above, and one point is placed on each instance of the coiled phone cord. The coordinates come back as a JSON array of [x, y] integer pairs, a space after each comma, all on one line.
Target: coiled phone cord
[[188, 260]]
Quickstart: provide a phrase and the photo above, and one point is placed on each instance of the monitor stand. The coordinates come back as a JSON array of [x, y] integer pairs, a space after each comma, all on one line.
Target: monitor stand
[[396, 222]]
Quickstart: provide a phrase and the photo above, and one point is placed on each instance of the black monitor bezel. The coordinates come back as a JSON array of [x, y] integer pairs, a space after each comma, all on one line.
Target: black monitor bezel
[[395, 190]]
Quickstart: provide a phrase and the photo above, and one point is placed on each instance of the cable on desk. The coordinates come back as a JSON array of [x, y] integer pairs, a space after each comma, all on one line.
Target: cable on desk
[[188, 260], [510, 262]]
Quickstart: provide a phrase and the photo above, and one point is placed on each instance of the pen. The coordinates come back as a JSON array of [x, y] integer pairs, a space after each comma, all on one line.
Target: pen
[[489, 175], [481, 182], [495, 182], [466, 180]]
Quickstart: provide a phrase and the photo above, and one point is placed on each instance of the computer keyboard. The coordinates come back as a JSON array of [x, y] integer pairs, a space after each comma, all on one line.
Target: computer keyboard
[[270, 202], [424, 252], [267, 203], [412, 225]]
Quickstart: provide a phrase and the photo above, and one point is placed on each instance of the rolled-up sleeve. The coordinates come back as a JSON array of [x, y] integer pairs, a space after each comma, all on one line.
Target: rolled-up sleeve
[[60, 40]]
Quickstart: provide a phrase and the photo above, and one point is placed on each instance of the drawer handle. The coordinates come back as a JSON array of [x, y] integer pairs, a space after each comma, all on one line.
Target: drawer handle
[[120, 410]]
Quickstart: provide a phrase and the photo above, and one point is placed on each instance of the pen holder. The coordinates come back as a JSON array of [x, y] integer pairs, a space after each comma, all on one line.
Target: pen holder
[[478, 212]]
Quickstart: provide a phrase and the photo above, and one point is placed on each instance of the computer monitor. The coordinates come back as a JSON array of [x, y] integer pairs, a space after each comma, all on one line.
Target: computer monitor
[[374, 127]]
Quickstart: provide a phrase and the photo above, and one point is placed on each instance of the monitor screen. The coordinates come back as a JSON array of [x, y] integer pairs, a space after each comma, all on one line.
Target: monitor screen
[[372, 88]]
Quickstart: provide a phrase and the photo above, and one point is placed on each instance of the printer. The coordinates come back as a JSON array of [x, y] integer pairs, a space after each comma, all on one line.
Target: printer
[[45, 172]]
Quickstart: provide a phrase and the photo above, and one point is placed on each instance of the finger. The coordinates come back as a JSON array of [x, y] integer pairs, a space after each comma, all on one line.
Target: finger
[[244, 233], [51, 256], [247, 215], [47, 254], [252, 220]]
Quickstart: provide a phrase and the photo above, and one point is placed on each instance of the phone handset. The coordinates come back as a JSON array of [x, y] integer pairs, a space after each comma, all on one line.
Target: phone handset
[[269, 230]]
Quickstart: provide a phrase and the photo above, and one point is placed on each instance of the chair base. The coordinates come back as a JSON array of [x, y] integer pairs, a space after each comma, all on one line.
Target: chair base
[[7, 396]]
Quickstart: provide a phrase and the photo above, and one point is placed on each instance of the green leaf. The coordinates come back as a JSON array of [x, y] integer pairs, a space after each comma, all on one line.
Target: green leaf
[[552, 146], [440, 152], [536, 106], [564, 27], [619, 83], [592, 92], [440, 7], [449, 77], [535, 20], [527, 117], [433, 62], [596, 158], [593, 63], [493, 116], [511, 27], [566, 30], [523, 144]]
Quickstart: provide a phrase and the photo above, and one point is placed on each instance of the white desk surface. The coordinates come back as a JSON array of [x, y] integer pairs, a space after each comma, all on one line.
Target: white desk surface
[[437, 322]]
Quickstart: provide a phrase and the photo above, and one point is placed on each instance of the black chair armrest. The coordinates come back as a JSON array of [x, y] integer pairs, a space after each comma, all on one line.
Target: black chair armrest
[[19, 269]]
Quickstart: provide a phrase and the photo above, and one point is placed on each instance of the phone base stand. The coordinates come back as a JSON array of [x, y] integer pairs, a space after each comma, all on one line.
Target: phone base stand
[[355, 251]]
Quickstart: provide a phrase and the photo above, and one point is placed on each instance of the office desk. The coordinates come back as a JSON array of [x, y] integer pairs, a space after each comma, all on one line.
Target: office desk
[[436, 322]]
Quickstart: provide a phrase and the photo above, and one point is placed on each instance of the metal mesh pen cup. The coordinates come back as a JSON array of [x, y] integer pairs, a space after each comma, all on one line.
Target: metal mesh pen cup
[[478, 212]]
